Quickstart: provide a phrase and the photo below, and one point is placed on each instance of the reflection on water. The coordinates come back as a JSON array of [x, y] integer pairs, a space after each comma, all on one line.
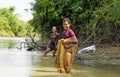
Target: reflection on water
[[21, 63], [6, 42]]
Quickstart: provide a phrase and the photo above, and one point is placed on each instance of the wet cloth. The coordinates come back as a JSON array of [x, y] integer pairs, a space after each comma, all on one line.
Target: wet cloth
[[60, 53]]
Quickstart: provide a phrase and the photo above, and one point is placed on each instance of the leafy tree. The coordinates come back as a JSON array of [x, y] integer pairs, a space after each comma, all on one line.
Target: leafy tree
[[10, 25], [94, 20]]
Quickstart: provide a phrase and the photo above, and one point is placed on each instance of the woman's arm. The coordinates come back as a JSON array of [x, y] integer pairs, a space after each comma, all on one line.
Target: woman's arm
[[72, 40]]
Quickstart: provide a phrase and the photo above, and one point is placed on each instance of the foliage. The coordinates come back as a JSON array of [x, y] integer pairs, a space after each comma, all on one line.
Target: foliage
[[10, 25], [98, 20]]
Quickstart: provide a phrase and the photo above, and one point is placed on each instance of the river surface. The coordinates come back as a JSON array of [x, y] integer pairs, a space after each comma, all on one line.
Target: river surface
[[16, 62]]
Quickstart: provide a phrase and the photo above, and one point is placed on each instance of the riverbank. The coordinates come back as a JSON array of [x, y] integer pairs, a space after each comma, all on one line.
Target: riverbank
[[106, 55]]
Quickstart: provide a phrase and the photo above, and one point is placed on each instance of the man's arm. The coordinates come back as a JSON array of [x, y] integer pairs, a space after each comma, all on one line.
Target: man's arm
[[48, 43]]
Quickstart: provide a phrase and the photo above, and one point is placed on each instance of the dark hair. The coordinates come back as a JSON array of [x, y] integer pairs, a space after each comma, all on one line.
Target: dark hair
[[67, 19]]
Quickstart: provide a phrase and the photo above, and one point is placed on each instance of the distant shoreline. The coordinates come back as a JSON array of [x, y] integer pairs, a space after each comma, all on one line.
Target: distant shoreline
[[15, 38], [12, 38]]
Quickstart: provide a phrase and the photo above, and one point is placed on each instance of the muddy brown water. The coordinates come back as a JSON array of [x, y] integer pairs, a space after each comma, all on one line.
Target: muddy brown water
[[22, 63]]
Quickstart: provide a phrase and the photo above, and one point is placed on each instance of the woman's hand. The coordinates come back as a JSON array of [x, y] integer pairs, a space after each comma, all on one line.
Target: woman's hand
[[65, 41], [62, 40]]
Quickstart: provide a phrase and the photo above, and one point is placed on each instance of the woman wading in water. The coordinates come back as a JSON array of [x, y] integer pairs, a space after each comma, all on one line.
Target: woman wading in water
[[66, 48]]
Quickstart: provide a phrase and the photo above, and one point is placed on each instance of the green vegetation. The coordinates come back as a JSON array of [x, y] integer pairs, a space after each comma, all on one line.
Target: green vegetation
[[10, 25], [92, 20]]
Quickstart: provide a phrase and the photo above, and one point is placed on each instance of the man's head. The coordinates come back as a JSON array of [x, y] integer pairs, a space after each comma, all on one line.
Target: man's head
[[54, 29]]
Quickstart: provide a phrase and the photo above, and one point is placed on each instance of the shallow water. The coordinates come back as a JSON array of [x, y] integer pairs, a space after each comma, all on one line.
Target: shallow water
[[22, 63]]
